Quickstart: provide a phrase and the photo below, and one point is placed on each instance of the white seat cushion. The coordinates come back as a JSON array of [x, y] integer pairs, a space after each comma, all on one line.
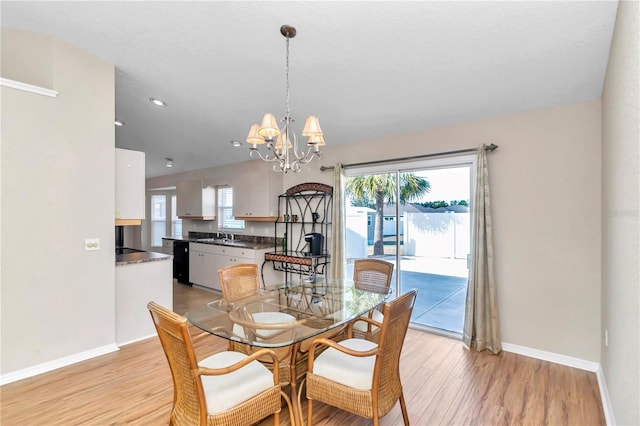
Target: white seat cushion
[[265, 318], [356, 372], [228, 390], [362, 325]]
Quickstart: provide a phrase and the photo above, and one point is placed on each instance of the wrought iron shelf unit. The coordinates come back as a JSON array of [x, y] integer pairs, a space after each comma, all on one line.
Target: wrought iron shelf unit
[[303, 209]]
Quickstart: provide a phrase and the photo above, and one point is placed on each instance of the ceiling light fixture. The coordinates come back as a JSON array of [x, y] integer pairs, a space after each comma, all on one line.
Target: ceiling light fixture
[[119, 123], [169, 162], [157, 102], [236, 143], [284, 143]]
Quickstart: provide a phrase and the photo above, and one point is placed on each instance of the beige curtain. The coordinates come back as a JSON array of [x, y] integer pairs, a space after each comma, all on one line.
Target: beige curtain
[[338, 217], [481, 325]]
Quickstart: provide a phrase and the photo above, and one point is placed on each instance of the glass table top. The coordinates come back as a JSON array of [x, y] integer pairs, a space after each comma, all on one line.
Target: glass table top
[[288, 313]]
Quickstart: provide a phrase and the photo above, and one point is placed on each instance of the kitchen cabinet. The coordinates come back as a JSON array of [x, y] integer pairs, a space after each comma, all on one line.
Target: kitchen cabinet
[[130, 187], [194, 201], [203, 269], [206, 259], [255, 195]]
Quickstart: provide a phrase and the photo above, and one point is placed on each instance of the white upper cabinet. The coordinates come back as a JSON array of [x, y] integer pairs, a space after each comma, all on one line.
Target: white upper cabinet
[[130, 187], [255, 195], [196, 202]]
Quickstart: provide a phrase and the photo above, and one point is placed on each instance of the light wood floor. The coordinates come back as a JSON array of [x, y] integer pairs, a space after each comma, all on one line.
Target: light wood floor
[[444, 384]]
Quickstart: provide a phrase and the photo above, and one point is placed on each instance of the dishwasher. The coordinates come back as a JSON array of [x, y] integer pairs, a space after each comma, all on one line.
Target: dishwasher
[[181, 261]]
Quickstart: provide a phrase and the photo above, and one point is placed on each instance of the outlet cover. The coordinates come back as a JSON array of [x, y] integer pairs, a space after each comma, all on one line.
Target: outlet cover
[[92, 244]]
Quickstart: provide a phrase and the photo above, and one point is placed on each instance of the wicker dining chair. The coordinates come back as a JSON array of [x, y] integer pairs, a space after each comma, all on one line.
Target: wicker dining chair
[[376, 272], [222, 389], [358, 375], [242, 280]]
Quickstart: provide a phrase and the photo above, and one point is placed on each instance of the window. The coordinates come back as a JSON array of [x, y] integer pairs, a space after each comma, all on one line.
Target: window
[[158, 219], [176, 222], [225, 210], [164, 222]]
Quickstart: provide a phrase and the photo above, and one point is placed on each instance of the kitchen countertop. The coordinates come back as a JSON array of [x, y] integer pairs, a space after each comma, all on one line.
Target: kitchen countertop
[[141, 257], [253, 245]]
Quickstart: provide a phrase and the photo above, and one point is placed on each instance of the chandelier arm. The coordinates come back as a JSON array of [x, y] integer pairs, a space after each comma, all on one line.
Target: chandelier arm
[[267, 158]]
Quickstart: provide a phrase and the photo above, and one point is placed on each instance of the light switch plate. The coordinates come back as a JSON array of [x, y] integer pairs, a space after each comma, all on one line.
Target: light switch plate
[[92, 244]]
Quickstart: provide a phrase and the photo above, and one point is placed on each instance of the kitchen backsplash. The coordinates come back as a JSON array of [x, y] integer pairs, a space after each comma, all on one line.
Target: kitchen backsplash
[[204, 226]]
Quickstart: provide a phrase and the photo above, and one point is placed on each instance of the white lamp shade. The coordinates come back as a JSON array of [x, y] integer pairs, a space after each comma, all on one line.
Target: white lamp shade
[[254, 137], [316, 140], [269, 128], [279, 142], [312, 126]]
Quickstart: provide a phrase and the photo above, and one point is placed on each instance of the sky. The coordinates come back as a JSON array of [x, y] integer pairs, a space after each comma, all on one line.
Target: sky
[[447, 184]]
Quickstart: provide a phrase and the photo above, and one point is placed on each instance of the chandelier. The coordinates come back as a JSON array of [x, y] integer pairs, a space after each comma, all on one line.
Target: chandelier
[[282, 144]]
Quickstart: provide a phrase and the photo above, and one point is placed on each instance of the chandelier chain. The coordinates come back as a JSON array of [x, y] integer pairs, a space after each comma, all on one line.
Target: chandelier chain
[[288, 111]]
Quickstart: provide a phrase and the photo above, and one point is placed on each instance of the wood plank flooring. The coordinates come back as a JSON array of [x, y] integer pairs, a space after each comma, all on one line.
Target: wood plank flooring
[[444, 384]]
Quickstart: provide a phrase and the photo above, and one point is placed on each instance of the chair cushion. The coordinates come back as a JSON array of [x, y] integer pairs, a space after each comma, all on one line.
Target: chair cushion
[[265, 318], [355, 372], [228, 390], [362, 325]]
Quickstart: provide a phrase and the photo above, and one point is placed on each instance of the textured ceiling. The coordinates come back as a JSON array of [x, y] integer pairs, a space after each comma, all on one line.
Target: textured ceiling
[[367, 69]]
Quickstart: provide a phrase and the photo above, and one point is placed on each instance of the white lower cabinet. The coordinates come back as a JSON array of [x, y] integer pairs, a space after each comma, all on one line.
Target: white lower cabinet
[[206, 259]]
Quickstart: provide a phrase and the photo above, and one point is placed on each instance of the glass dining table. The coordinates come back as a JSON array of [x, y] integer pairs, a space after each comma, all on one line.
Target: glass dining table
[[289, 313]]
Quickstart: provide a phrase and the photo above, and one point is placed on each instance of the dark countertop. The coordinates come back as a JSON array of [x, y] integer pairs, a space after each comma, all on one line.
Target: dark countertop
[[253, 245], [141, 257]]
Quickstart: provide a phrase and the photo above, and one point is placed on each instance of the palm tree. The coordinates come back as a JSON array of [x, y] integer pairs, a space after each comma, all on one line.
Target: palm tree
[[381, 189]]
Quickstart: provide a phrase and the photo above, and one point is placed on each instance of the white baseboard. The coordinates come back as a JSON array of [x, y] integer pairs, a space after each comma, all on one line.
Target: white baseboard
[[570, 362], [552, 357], [55, 364], [604, 394], [137, 340]]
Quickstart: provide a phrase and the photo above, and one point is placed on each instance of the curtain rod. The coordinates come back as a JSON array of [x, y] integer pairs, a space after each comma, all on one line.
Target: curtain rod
[[490, 147]]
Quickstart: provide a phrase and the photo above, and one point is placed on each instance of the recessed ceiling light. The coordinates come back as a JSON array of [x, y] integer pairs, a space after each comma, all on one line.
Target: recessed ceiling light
[[157, 102], [119, 123], [236, 143], [169, 162]]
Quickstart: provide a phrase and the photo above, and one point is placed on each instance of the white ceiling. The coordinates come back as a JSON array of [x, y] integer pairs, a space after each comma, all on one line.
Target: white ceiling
[[367, 69]]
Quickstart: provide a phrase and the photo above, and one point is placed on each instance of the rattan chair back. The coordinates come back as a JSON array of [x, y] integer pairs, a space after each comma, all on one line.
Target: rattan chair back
[[239, 280], [189, 406], [372, 271], [386, 376]]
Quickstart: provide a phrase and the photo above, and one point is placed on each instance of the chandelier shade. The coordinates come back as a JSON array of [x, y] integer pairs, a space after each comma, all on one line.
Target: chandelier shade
[[282, 142], [254, 137], [269, 128]]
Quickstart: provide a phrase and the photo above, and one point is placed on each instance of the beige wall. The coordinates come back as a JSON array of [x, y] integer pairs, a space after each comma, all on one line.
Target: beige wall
[[545, 183], [620, 221], [57, 190]]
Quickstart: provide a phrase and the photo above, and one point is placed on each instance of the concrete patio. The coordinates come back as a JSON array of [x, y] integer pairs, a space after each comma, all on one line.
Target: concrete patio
[[442, 289]]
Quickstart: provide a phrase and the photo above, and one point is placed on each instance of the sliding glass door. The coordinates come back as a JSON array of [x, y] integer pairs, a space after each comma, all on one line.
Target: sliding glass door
[[416, 215]]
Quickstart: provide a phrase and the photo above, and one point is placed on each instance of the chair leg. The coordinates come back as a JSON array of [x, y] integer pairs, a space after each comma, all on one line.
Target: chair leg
[[309, 412], [288, 402], [309, 406], [276, 419], [403, 407]]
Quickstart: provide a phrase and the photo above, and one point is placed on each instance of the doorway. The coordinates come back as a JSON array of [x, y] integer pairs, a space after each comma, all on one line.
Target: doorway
[[426, 234]]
